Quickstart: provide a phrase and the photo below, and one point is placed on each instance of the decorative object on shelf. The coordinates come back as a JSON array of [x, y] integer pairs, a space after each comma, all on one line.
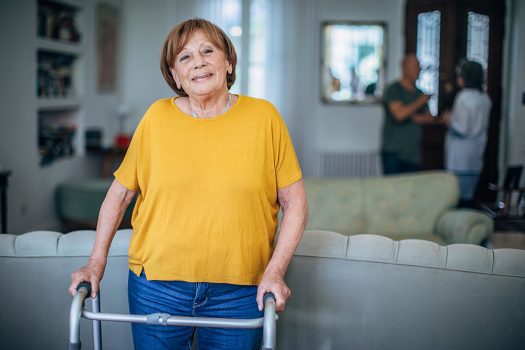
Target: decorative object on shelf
[[56, 21], [353, 61], [55, 142], [107, 44], [55, 74], [94, 139]]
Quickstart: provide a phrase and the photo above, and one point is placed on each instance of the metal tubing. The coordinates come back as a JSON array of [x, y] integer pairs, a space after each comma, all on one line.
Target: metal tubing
[[179, 320], [269, 327], [74, 316], [97, 332]]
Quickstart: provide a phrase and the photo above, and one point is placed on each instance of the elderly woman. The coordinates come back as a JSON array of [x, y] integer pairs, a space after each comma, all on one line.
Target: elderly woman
[[467, 128], [211, 170]]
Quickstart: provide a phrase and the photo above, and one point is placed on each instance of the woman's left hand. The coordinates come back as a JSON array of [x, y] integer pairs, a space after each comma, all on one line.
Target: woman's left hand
[[273, 282]]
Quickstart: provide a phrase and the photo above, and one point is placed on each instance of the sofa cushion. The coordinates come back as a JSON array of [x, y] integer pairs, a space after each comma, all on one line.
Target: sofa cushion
[[408, 204], [37, 243], [370, 248], [80, 243], [7, 245], [323, 243], [424, 236], [335, 204], [509, 262], [416, 252], [469, 257]]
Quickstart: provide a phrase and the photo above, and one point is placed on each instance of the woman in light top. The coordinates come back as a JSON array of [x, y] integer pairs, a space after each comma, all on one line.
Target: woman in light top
[[467, 128], [211, 171]]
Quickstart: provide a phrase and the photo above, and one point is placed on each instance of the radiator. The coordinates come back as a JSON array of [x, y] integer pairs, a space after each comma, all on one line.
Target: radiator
[[349, 164]]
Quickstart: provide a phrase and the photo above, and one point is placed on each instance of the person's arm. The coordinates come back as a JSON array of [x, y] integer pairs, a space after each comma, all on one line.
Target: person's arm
[[112, 210], [292, 199], [425, 118], [446, 118], [401, 111]]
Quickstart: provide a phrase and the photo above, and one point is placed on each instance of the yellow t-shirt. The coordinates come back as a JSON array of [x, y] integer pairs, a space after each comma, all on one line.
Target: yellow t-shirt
[[207, 204]]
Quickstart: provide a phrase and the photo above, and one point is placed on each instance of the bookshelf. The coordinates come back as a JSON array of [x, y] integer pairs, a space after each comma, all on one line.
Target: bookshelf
[[60, 80]]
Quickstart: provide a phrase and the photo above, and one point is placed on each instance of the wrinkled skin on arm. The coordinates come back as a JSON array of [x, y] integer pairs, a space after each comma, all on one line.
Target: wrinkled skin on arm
[[112, 210], [295, 213]]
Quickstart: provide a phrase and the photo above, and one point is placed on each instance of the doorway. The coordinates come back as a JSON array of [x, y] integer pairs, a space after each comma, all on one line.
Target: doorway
[[441, 32]]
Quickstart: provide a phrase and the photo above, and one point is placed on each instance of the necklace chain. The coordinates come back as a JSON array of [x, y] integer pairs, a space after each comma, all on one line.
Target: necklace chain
[[194, 114]]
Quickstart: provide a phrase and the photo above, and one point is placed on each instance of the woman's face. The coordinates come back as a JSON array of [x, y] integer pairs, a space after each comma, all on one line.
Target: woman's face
[[201, 68]]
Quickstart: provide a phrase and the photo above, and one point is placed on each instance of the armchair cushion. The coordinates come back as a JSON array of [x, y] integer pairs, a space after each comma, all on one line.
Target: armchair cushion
[[335, 204], [464, 226]]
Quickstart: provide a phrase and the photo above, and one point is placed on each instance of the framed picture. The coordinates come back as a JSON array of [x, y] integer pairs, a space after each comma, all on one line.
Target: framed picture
[[107, 45], [353, 61]]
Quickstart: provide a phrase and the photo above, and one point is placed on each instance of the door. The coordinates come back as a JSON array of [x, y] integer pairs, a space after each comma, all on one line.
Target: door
[[441, 32]]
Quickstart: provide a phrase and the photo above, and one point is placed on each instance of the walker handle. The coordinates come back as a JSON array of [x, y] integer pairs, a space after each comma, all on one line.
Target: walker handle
[[269, 326]]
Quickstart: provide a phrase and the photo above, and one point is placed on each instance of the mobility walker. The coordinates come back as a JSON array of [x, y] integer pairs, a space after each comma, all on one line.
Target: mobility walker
[[268, 322]]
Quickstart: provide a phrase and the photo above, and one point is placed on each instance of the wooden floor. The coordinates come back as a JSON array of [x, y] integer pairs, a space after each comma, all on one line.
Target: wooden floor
[[507, 239]]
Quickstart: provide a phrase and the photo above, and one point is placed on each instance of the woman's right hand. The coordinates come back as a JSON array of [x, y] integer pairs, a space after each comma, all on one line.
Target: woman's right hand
[[92, 272]]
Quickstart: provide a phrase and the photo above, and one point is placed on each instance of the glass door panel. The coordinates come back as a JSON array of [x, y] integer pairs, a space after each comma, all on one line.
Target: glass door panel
[[427, 51]]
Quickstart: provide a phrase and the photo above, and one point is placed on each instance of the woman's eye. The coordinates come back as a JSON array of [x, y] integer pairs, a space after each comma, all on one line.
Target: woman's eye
[[184, 57], [208, 51]]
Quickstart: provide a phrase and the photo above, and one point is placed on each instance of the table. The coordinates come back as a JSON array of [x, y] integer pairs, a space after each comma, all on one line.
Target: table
[[4, 174]]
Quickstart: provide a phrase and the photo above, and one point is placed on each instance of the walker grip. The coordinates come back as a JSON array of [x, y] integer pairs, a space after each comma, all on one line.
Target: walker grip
[[86, 285]]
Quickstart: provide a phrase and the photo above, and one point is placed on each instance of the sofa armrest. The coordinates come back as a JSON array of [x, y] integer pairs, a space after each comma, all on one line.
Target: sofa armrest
[[464, 226]]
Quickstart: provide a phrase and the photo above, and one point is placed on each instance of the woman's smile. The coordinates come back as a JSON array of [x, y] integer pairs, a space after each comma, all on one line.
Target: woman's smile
[[202, 77]]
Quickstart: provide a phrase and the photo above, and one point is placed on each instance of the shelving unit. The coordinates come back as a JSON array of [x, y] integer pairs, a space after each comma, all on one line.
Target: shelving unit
[[59, 85]]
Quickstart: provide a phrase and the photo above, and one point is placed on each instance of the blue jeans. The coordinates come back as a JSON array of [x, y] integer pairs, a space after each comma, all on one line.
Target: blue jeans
[[467, 184], [179, 298], [393, 165]]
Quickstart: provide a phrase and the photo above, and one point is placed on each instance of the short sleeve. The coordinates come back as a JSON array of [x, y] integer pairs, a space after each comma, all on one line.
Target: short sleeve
[[287, 168], [390, 94], [127, 172]]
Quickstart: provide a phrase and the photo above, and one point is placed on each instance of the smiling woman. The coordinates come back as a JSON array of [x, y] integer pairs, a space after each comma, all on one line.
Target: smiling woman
[[212, 170]]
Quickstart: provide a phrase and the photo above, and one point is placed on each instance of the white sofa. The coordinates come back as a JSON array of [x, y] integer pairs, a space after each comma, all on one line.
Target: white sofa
[[349, 292]]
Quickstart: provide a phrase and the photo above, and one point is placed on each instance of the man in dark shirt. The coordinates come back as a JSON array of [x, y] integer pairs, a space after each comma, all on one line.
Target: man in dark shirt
[[405, 110]]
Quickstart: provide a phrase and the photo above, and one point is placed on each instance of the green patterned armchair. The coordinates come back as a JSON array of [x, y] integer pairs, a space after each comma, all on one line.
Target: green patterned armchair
[[419, 206]]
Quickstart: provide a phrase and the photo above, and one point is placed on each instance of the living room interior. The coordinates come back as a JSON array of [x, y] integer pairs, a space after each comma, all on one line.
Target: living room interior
[[99, 113], [60, 139]]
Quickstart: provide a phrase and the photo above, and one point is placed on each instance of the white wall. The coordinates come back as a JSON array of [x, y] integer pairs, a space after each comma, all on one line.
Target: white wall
[[31, 187]]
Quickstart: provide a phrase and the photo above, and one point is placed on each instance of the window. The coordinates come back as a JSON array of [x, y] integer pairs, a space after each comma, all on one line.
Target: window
[[428, 33]]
